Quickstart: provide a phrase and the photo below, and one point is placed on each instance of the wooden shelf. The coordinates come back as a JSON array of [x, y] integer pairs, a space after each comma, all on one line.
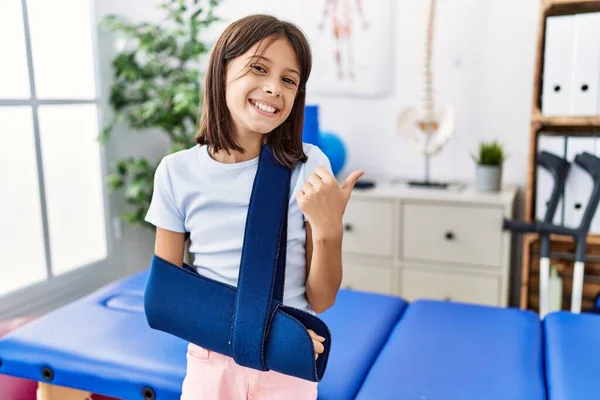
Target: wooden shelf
[[565, 7], [560, 244], [561, 239], [561, 124]]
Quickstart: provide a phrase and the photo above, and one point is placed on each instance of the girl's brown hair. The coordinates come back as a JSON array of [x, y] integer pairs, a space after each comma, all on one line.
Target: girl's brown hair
[[216, 125]]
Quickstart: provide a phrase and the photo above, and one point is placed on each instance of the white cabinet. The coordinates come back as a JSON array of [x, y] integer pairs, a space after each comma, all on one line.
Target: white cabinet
[[438, 244], [449, 286], [452, 234], [370, 244], [368, 228], [369, 277]]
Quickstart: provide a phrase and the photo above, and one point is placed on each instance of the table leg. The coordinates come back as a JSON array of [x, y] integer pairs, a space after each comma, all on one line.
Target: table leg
[[47, 391]]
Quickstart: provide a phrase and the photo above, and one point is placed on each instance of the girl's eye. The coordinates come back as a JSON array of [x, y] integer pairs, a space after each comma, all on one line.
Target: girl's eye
[[258, 68]]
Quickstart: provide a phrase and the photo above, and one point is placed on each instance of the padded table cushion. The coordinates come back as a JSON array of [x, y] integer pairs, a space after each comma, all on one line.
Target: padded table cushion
[[360, 324], [103, 344], [443, 350], [572, 355], [100, 343]]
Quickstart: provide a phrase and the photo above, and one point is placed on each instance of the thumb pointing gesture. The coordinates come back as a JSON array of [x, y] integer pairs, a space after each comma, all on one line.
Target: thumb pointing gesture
[[350, 181], [323, 201]]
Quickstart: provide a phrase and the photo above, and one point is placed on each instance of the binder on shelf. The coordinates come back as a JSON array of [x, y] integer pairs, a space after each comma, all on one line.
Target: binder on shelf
[[578, 187], [558, 64], [595, 227], [585, 87], [545, 181]]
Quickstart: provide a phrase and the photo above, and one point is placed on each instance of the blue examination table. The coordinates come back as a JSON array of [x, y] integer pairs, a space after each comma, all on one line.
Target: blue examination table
[[572, 348], [382, 348]]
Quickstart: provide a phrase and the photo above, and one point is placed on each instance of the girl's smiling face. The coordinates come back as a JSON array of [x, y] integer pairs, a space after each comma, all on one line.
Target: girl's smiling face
[[261, 86]]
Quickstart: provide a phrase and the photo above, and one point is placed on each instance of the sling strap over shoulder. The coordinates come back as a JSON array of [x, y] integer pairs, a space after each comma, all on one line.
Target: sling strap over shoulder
[[263, 260]]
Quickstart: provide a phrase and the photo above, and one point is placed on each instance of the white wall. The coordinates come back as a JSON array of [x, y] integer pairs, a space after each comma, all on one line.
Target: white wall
[[483, 65]]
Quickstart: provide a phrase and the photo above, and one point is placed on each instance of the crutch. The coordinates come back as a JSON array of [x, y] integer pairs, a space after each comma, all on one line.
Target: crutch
[[559, 169], [590, 164]]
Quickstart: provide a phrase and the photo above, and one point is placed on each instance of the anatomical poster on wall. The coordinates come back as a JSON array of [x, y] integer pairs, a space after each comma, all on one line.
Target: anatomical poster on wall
[[351, 41]]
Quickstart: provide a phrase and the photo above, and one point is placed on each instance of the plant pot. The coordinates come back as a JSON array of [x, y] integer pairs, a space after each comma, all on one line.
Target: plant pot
[[488, 178]]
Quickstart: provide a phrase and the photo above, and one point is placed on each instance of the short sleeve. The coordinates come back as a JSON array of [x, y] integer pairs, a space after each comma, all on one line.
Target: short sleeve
[[316, 158], [164, 211]]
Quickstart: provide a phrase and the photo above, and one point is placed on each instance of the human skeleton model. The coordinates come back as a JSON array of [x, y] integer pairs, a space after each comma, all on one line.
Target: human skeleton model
[[341, 13], [426, 128]]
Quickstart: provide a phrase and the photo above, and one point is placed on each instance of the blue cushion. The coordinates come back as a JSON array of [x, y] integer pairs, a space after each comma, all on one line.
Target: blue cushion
[[572, 355], [360, 323], [443, 350], [101, 343]]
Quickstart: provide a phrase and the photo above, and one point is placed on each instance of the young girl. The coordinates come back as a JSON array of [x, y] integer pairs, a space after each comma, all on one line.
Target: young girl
[[254, 94]]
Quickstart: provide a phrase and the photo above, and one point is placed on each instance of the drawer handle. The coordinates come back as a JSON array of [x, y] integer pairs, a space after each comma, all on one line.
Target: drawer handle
[[348, 227], [449, 235]]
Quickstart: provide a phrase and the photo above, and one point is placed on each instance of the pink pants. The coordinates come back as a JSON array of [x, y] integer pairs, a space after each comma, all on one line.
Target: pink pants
[[213, 376]]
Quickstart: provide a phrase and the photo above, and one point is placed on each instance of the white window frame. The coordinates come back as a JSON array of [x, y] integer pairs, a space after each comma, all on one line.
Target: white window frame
[[55, 291]]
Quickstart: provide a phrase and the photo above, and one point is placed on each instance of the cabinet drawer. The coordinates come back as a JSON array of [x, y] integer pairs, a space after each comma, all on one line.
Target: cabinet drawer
[[368, 227], [450, 286], [368, 278], [455, 234]]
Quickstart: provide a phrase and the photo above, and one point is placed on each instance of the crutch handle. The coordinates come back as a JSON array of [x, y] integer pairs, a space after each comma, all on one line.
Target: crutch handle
[[519, 226], [590, 163], [557, 166], [544, 227], [559, 169]]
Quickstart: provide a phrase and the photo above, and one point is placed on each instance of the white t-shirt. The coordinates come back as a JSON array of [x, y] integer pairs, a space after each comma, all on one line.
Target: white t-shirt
[[195, 193]]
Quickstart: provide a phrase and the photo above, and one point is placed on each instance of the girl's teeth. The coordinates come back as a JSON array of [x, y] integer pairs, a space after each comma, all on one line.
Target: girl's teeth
[[264, 107]]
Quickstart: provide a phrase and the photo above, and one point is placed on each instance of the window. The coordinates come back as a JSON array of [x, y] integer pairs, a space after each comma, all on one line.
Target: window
[[53, 198]]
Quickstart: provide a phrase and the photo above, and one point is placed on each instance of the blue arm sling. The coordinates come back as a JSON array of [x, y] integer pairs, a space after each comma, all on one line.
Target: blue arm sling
[[250, 322]]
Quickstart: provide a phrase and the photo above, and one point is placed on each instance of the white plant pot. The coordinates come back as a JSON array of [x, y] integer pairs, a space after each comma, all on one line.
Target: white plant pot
[[488, 178]]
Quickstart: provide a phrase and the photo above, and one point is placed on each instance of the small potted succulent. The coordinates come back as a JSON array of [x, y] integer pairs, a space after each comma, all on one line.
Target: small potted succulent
[[489, 160]]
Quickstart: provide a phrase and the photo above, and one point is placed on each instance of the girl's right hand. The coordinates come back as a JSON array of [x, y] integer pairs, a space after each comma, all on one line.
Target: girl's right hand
[[317, 342]]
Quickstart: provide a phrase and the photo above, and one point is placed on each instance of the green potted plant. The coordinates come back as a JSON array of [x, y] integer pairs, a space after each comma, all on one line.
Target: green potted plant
[[489, 160], [156, 85]]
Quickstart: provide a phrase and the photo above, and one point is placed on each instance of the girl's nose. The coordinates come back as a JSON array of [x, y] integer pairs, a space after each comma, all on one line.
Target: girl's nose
[[273, 89]]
